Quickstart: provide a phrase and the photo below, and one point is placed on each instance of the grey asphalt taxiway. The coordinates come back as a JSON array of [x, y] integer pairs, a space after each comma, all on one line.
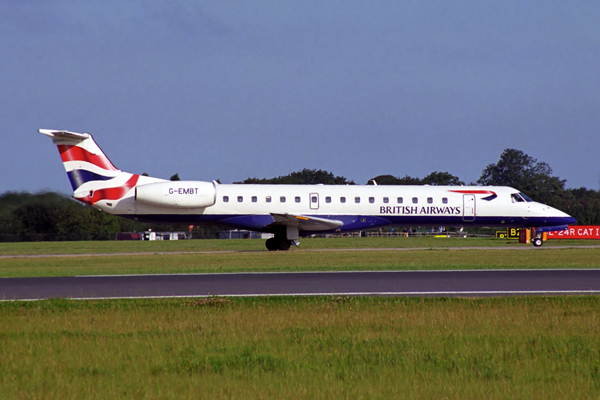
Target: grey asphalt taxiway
[[370, 283]]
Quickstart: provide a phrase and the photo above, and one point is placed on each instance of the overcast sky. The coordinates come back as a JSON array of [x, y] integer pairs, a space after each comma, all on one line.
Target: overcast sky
[[235, 89]]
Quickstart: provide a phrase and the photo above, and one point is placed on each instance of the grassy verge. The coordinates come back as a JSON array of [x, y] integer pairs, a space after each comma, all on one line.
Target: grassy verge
[[317, 348], [41, 248], [177, 257], [425, 259]]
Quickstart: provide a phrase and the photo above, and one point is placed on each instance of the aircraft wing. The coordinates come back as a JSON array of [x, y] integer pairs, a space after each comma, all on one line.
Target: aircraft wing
[[306, 223]]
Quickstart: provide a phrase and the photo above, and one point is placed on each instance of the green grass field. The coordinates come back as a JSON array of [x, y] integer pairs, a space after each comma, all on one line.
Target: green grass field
[[307, 348], [202, 256]]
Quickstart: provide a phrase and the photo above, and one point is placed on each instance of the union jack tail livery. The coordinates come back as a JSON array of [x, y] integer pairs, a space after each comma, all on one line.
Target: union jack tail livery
[[92, 175]]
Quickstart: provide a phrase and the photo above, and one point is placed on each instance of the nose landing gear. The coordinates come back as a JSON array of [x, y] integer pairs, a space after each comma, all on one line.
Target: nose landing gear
[[538, 239]]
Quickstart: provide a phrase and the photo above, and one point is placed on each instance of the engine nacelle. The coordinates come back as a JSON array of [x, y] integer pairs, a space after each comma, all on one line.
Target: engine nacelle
[[177, 194]]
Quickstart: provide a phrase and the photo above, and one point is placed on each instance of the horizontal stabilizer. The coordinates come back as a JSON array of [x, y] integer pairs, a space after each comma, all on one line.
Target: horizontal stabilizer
[[64, 135], [306, 223]]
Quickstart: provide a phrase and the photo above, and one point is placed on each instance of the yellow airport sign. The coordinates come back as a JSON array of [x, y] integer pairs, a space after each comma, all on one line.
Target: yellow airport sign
[[509, 233]]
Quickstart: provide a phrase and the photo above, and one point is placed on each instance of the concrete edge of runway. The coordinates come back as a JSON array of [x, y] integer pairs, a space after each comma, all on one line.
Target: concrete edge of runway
[[343, 272], [493, 293]]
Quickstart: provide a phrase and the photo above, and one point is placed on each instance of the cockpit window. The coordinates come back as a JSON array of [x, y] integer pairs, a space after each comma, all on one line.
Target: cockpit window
[[516, 198], [523, 195]]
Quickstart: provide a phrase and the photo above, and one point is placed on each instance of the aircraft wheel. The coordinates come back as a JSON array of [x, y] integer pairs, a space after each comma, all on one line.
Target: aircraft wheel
[[271, 244], [278, 243], [284, 244], [538, 242]]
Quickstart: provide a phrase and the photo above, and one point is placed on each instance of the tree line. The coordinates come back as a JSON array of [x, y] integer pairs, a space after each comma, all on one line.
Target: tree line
[[51, 216], [54, 216]]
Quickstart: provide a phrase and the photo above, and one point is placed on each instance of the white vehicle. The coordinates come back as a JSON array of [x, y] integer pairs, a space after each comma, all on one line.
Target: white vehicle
[[291, 211]]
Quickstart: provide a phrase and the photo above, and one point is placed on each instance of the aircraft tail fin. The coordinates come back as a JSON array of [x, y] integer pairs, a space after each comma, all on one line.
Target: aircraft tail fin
[[88, 168], [84, 161]]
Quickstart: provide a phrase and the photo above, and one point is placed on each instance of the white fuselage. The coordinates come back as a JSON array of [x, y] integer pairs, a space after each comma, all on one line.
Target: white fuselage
[[357, 207]]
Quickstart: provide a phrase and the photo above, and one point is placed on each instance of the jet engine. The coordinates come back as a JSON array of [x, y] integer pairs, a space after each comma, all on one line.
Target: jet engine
[[177, 194]]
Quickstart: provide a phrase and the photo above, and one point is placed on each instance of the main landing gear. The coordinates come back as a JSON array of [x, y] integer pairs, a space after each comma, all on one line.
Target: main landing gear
[[278, 243]]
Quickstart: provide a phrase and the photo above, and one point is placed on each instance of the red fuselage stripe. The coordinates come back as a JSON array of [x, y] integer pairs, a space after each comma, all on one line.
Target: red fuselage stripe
[[473, 191], [114, 193]]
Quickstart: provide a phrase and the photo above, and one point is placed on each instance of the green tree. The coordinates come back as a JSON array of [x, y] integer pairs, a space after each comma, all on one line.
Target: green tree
[[434, 178], [525, 173], [55, 216], [393, 180], [26, 216], [304, 177], [175, 177], [9, 201], [442, 179], [583, 204], [36, 218]]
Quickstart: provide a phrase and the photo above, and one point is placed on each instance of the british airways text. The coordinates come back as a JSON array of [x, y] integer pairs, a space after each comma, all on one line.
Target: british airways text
[[414, 210]]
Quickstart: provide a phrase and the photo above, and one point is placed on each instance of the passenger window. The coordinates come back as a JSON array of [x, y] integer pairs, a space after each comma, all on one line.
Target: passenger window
[[254, 199], [415, 200], [313, 199], [342, 199], [357, 199], [268, 199], [371, 200], [445, 200], [328, 199], [297, 199], [400, 200], [225, 199], [282, 199], [240, 199], [386, 200], [430, 200]]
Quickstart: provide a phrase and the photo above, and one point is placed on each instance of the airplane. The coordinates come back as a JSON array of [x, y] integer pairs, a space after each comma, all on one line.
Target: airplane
[[292, 211]]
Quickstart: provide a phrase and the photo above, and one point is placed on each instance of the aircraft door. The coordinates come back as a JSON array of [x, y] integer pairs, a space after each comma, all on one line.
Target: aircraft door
[[468, 207], [314, 201]]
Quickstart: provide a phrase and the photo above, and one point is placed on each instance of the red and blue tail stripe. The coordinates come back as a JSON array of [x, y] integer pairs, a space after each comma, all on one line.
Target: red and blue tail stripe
[[78, 177], [93, 177], [76, 153]]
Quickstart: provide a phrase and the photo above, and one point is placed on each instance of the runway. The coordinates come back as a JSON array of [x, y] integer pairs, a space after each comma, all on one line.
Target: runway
[[466, 283]]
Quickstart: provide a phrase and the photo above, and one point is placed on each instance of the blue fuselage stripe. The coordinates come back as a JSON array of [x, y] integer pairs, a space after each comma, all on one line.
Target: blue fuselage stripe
[[264, 223]]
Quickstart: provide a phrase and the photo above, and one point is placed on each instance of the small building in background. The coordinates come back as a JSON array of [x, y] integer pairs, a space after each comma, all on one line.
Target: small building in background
[[151, 235], [240, 234], [129, 236]]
